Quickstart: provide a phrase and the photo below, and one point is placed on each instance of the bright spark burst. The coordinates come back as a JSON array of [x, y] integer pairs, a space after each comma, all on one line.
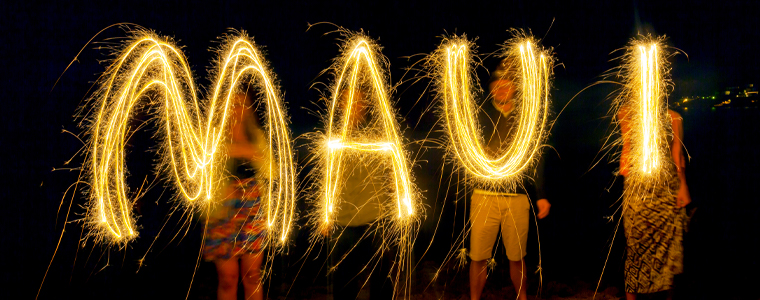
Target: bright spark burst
[[455, 85], [360, 63], [153, 69]]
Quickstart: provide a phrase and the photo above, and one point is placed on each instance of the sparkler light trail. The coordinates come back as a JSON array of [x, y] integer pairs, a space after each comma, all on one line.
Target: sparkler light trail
[[361, 70], [642, 114], [455, 85], [153, 69], [650, 94], [642, 109]]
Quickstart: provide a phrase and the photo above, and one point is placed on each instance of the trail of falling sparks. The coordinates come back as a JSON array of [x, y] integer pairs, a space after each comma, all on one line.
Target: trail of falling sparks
[[455, 90], [338, 131], [194, 136]]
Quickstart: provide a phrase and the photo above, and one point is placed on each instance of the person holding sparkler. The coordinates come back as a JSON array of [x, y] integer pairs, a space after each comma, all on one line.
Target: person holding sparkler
[[235, 233], [652, 163], [654, 215], [492, 208]]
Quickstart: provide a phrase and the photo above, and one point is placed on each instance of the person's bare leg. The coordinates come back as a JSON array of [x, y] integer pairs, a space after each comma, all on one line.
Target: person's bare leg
[[250, 265], [227, 271], [478, 276], [630, 296], [518, 273]]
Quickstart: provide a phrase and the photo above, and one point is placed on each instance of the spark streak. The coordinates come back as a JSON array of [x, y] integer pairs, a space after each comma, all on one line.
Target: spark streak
[[194, 136], [455, 89]]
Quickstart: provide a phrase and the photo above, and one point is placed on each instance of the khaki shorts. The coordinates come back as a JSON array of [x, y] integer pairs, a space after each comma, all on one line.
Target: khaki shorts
[[487, 213]]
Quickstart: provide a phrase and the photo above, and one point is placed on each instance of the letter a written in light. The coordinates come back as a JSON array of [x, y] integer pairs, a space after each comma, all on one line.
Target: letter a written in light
[[360, 70]]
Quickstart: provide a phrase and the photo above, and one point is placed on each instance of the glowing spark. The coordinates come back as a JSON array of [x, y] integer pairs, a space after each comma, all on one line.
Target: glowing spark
[[455, 89], [193, 147], [362, 56]]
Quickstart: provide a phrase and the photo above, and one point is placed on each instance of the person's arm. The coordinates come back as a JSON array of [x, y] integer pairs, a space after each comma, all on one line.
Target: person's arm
[[540, 184], [623, 120], [676, 148]]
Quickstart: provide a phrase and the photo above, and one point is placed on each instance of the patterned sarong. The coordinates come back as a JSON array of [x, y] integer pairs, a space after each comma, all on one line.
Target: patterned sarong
[[242, 230], [654, 234]]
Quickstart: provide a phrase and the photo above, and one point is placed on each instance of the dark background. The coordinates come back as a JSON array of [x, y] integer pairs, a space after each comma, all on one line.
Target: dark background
[[40, 39]]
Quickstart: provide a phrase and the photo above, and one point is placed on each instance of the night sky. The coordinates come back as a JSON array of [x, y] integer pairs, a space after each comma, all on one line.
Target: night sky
[[39, 40]]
